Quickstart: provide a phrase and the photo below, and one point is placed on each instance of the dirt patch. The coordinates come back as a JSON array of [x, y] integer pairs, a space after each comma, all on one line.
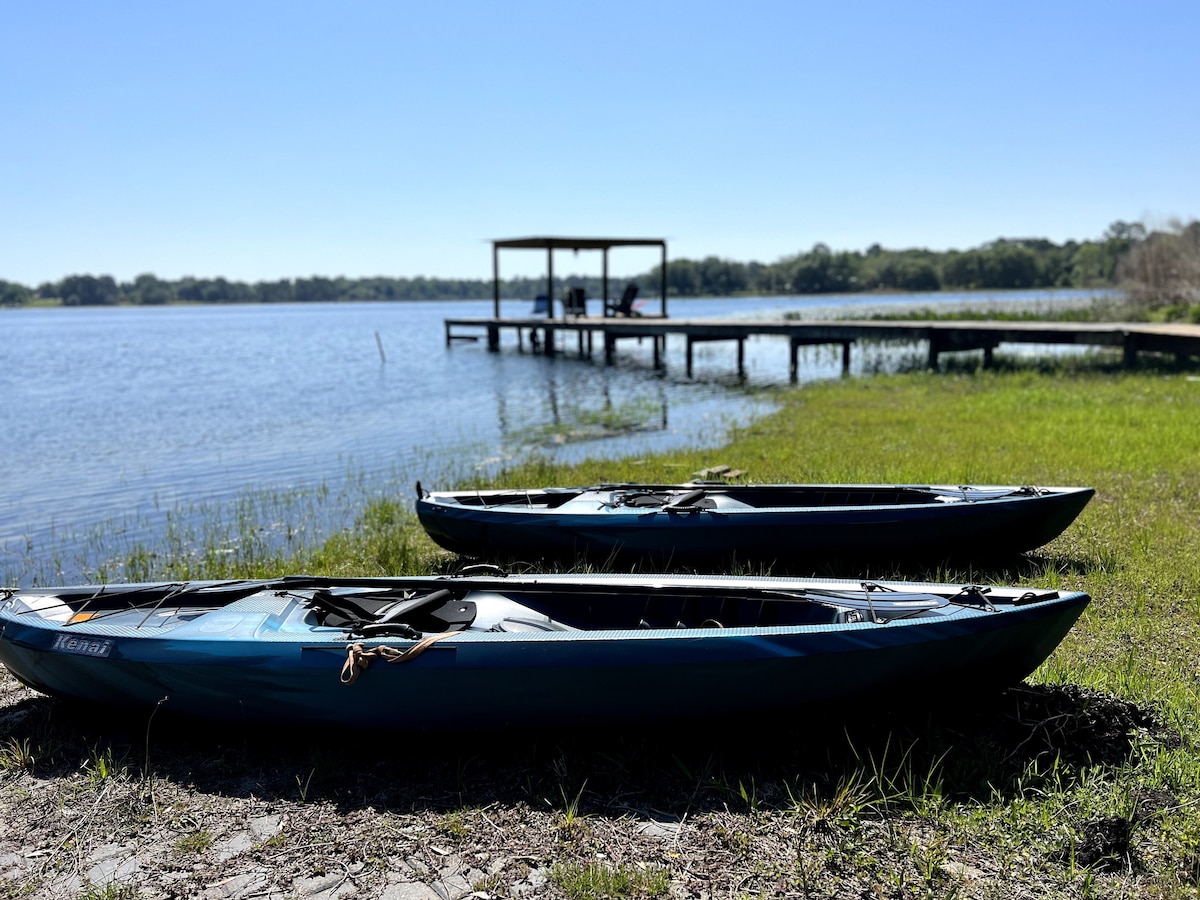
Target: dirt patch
[[162, 807]]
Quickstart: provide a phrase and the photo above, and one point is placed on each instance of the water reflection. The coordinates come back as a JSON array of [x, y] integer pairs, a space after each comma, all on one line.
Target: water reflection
[[576, 410]]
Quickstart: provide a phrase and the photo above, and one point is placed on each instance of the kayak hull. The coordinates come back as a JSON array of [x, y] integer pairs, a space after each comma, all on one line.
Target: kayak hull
[[1003, 521], [260, 658]]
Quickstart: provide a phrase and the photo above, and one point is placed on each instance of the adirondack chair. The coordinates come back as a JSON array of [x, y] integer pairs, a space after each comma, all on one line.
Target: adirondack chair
[[575, 302], [624, 307]]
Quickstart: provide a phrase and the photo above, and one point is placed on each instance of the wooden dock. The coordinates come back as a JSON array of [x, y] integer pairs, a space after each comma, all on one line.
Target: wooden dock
[[544, 335]]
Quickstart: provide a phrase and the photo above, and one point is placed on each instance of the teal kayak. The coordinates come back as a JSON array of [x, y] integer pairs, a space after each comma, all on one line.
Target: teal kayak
[[484, 651]]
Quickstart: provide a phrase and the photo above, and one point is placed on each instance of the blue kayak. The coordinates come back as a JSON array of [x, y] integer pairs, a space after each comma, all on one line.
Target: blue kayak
[[706, 522], [468, 652]]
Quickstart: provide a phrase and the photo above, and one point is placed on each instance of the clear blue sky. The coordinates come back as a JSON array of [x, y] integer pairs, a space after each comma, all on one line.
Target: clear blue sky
[[263, 140]]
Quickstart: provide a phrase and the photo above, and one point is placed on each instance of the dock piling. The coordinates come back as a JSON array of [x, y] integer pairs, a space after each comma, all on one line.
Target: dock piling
[[1131, 338], [1130, 346]]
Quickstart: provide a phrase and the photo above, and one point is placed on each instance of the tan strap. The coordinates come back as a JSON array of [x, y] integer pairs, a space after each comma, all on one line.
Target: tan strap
[[358, 657]]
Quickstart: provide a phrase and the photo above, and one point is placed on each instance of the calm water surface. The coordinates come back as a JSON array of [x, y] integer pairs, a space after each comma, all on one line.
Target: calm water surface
[[121, 422]]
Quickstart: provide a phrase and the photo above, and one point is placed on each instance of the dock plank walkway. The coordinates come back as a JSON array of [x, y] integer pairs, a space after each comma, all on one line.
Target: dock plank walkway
[[942, 336]]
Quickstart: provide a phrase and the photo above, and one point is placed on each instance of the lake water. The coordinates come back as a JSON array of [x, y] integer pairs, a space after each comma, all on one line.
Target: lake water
[[122, 423]]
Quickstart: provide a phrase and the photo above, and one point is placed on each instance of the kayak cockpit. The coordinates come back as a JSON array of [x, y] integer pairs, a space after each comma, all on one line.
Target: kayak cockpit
[[412, 608], [724, 497], [548, 607]]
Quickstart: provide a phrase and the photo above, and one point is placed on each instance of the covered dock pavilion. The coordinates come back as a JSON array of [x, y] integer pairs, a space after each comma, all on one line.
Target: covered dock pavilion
[[550, 244]]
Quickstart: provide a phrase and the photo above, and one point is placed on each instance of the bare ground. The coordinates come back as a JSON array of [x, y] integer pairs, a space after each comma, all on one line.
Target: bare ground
[[96, 803]]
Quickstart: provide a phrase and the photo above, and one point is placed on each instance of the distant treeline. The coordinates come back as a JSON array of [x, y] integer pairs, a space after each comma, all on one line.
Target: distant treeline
[[1001, 264]]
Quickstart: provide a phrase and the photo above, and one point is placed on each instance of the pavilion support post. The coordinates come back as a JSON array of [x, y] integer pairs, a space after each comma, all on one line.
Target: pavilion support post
[[604, 282], [689, 356], [664, 279], [550, 283], [495, 281], [741, 342], [845, 358], [610, 348], [493, 338]]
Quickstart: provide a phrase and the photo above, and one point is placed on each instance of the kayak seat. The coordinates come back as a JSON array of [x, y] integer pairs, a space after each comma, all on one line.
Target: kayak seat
[[658, 500], [386, 612], [696, 499], [647, 501]]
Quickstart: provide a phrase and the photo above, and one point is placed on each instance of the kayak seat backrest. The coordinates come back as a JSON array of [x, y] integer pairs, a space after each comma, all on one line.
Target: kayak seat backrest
[[376, 611], [344, 610], [688, 499], [643, 500], [648, 500]]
